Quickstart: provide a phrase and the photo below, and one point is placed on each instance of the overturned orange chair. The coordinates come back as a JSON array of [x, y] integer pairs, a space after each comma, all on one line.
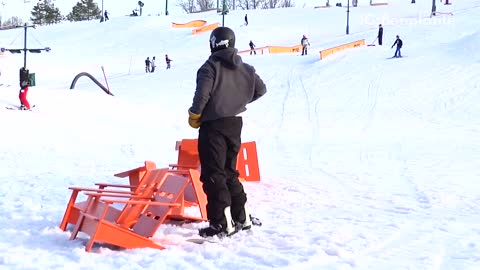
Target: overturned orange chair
[[144, 189], [137, 222]]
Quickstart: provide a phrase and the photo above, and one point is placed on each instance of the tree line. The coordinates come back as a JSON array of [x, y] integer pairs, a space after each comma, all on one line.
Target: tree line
[[193, 6], [45, 12]]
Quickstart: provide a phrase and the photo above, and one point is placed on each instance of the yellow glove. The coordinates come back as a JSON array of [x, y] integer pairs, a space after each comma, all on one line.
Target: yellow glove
[[194, 119]]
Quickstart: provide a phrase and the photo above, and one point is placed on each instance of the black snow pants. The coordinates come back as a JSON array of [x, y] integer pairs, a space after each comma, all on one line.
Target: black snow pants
[[218, 145]]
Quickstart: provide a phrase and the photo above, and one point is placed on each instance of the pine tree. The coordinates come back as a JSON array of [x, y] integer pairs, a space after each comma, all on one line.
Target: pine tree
[[84, 10], [45, 13]]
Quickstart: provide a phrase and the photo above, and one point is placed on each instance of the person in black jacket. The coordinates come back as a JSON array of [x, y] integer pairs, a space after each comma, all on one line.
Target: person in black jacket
[[225, 85], [399, 44], [304, 43], [168, 60], [380, 34], [246, 20], [252, 48], [147, 65]]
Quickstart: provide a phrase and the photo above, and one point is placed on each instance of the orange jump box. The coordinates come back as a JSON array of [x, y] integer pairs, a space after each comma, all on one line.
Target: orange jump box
[[205, 28], [196, 23]]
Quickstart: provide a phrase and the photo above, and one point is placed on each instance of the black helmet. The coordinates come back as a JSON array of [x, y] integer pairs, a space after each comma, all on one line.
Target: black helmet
[[222, 38]]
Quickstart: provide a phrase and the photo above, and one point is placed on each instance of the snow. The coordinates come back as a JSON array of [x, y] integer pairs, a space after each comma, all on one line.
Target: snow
[[366, 163]]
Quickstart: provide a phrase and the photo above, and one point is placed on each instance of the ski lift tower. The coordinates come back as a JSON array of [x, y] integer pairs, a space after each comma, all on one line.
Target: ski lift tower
[[24, 73]]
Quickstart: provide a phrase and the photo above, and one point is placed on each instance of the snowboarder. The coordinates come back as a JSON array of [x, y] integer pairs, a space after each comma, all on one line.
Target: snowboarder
[[147, 65], [23, 98], [106, 15], [246, 20], [252, 47], [225, 85], [380, 34], [304, 43], [399, 44], [168, 60], [152, 65]]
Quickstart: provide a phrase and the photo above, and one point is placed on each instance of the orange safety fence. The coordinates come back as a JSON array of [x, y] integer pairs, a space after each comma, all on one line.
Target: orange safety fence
[[355, 44], [196, 23], [205, 28], [275, 49]]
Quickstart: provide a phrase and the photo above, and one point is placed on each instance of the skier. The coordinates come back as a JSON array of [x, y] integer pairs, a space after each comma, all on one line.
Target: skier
[[304, 43], [168, 60], [399, 44], [147, 65], [380, 34], [152, 64], [225, 85], [23, 98], [246, 20], [252, 47], [106, 15]]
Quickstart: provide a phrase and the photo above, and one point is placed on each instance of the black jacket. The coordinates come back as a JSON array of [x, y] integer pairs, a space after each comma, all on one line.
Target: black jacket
[[399, 43], [251, 45], [380, 32], [225, 85]]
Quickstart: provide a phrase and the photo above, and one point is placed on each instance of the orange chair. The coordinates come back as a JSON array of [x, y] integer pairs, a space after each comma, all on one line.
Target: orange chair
[[144, 189], [247, 160], [104, 223], [134, 175], [193, 196]]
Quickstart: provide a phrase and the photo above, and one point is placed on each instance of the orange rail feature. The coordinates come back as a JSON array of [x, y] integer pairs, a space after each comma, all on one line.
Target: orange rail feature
[[275, 49], [378, 4], [279, 49], [260, 50], [205, 28], [196, 23], [355, 44]]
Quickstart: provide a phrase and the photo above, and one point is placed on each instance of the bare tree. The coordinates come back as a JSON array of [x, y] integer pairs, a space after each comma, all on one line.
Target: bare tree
[[249, 4], [13, 21], [269, 4], [188, 5], [286, 4], [204, 5]]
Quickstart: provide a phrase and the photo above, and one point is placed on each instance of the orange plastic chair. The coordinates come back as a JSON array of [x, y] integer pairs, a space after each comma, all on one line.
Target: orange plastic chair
[[104, 223], [144, 189], [193, 196], [187, 154], [247, 160], [134, 175]]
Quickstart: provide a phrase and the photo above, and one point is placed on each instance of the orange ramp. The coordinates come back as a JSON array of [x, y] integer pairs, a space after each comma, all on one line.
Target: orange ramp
[[354, 44], [196, 23]]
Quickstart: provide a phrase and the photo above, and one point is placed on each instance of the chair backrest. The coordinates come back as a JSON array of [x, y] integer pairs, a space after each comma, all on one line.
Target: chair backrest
[[145, 191], [188, 154], [247, 162], [169, 192]]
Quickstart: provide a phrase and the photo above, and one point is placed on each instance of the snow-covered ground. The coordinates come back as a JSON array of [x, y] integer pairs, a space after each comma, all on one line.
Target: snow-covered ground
[[366, 162]]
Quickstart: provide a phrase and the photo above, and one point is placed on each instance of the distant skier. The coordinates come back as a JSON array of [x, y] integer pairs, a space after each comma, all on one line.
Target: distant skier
[[167, 60], [252, 48], [246, 20], [147, 65], [106, 15], [304, 43], [399, 44], [380, 34], [152, 65]]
